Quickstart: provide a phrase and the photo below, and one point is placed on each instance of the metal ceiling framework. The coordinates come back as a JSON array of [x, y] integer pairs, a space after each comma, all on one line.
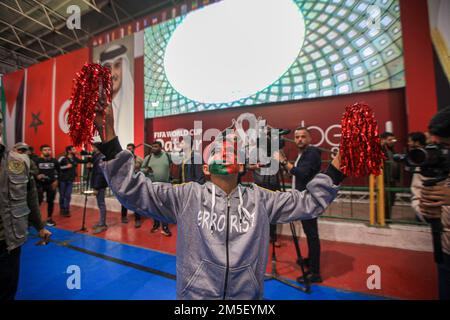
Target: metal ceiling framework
[[35, 30]]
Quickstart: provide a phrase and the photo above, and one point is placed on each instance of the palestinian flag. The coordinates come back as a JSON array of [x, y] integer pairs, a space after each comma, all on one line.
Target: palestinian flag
[[3, 106]]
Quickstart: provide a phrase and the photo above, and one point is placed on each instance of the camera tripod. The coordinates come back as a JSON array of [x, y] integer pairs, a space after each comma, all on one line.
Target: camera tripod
[[300, 261], [86, 193]]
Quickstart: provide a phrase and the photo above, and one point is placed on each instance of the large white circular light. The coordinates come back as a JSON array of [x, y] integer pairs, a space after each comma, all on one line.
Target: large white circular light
[[233, 49]]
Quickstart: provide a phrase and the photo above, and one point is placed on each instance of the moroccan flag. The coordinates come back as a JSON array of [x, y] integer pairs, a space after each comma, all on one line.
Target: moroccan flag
[[39, 107]]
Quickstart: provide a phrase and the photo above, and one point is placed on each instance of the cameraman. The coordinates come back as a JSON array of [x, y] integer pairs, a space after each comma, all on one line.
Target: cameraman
[[303, 171], [435, 201], [416, 140]]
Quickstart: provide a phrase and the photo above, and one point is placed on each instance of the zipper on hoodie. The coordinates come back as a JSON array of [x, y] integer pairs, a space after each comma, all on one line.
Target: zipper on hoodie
[[225, 287]]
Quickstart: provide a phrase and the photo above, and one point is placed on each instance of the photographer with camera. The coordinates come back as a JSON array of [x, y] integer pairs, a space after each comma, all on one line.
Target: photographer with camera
[[391, 170], [68, 172], [306, 166], [416, 140], [434, 161]]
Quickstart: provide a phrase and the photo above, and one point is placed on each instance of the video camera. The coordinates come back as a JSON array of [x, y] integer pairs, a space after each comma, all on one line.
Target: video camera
[[433, 160], [278, 139]]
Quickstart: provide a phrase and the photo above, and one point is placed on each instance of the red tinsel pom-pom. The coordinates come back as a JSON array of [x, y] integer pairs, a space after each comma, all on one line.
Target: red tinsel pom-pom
[[90, 85], [360, 149]]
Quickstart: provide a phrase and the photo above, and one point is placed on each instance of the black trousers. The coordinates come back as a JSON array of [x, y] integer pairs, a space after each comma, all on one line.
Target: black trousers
[[389, 199], [157, 223], [50, 193], [273, 232], [125, 212], [444, 278], [9, 272], [312, 236]]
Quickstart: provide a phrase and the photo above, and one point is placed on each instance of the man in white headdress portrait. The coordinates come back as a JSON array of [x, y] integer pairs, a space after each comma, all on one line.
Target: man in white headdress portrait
[[115, 57]]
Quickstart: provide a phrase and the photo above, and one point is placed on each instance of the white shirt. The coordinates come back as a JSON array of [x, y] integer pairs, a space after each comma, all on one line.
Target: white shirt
[[295, 164]]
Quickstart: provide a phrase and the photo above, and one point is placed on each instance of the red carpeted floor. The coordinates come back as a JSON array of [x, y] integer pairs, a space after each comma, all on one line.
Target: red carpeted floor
[[405, 274]]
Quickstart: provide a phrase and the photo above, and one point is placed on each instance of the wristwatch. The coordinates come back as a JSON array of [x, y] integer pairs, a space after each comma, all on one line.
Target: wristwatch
[[284, 162]]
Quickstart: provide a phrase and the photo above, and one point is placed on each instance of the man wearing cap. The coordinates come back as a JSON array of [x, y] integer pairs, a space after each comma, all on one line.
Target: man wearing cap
[[18, 207]]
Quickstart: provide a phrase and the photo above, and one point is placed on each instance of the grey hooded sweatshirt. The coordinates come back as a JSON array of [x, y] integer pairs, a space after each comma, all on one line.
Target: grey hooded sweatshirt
[[222, 240]]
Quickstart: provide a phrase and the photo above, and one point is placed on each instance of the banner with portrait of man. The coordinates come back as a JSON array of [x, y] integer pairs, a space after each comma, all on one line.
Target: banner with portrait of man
[[119, 57]]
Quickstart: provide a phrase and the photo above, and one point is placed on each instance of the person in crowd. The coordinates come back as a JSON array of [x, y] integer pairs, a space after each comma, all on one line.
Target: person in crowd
[[137, 167], [16, 192], [223, 238], [435, 200], [416, 140], [391, 171], [47, 180], [32, 155], [68, 172], [270, 182], [158, 170], [305, 168], [99, 185], [191, 169]]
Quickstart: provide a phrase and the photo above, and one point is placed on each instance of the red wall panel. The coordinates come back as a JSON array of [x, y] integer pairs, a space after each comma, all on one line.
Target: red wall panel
[[66, 67], [38, 104]]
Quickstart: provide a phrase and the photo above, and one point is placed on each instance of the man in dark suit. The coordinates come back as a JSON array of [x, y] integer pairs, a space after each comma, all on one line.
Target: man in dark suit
[[306, 166]]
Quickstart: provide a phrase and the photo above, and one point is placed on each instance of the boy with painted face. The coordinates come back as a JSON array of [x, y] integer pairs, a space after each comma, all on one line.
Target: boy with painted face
[[223, 227]]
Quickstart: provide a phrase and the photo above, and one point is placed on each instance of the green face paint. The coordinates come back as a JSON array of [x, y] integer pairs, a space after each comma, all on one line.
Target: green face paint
[[218, 168]]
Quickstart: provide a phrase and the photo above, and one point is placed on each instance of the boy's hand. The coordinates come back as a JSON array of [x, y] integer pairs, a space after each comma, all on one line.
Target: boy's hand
[[104, 123]]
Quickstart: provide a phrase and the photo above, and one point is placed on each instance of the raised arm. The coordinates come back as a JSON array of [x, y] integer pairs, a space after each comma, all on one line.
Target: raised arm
[[284, 207], [133, 190]]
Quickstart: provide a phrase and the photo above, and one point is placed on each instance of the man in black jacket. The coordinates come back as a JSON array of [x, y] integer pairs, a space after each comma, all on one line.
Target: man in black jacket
[[99, 184], [68, 166], [306, 166], [47, 179]]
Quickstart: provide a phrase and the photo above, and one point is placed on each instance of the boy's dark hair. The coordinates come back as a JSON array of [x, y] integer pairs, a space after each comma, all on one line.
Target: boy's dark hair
[[386, 135], [68, 148], [158, 143], [131, 145], [440, 123], [418, 137], [44, 146]]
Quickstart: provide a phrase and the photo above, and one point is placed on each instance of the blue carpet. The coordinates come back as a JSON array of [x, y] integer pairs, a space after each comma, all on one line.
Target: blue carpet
[[43, 273]]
